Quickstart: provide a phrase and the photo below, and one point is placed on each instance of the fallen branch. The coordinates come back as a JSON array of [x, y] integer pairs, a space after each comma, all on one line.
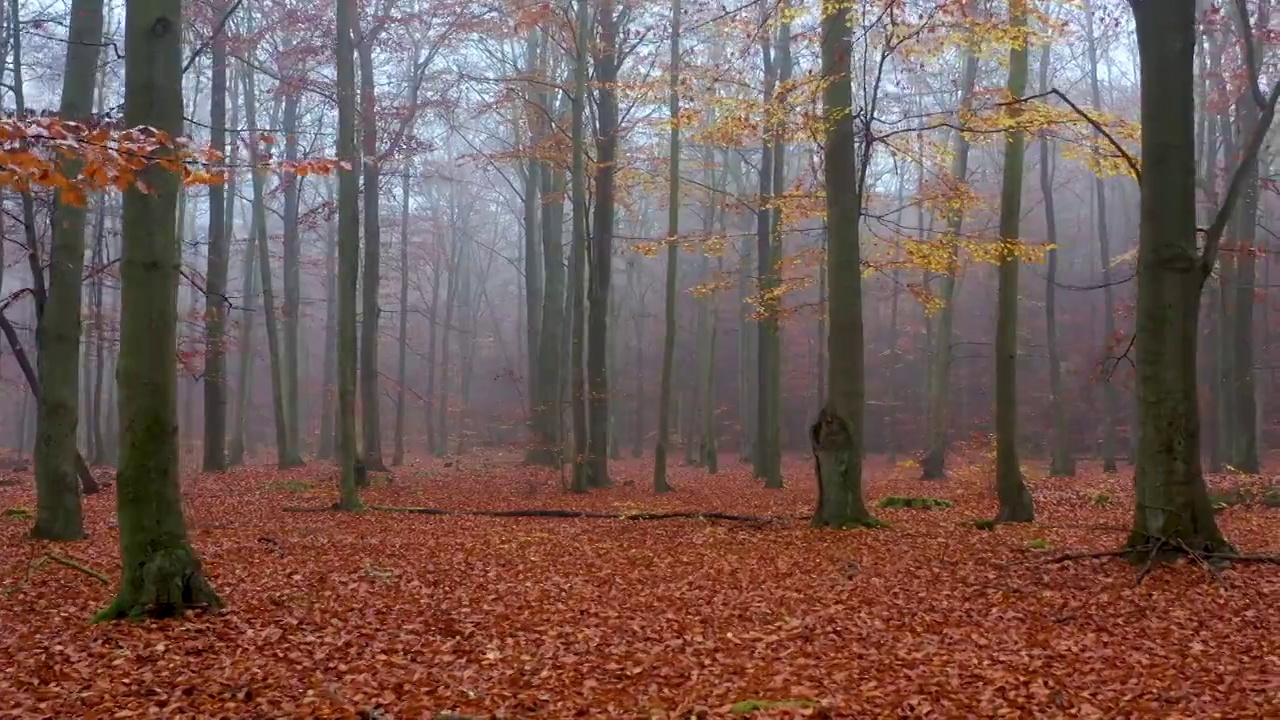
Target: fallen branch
[[38, 562], [1236, 557], [1090, 555], [68, 562], [568, 514]]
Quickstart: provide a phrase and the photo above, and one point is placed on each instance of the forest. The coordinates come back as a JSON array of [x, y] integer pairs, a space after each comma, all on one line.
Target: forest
[[621, 358]]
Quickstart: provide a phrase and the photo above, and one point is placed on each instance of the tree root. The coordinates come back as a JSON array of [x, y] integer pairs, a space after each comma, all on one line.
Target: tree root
[[166, 583], [568, 514], [1153, 552]]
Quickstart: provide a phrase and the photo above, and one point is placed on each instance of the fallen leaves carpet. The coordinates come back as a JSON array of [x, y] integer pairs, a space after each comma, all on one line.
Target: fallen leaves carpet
[[396, 615]]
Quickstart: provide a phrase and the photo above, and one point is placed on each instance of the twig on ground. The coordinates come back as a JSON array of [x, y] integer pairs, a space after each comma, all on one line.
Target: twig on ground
[[1155, 550], [1199, 558]]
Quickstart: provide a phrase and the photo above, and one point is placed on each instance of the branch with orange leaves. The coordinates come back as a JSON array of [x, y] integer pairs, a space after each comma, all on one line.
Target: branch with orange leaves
[[33, 151]]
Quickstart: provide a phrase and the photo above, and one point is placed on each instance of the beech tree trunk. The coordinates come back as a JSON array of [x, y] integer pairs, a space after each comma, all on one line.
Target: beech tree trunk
[[58, 512], [161, 574], [402, 379], [1110, 402], [766, 460], [836, 436], [348, 257], [579, 482], [1244, 455], [1015, 500], [286, 456], [1061, 462], [216, 305], [328, 368], [608, 61], [660, 484], [370, 401], [292, 247], [933, 465], [1172, 504]]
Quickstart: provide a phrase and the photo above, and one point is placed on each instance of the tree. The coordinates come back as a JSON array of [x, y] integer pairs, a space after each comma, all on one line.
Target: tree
[[660, 484], [1244, 456], [1171, 510], [1015, 501], [837, 433], [58, 513], [161, 573], [766, 462], [397, 457], [369, 397], [546, 388], [608, 61], [934, 463], [348, 257], [286, 454], [215, 365], [292, 249], [1109, 400], [580, 482], [1061, 462]]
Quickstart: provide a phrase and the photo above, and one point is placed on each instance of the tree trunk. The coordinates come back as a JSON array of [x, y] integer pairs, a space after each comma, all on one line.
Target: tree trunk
[[437, 267], [637, 321], [1172, 504], [450, 300], [933, 465], [161, 574], [1110, 402], [327, 398], [1015, 501], [837, 434], [547, 442], [1244, 455], [216, 305], [99, 454], [607, 62], [579, 482], [533, 283], [402, 379], [348, 257], [291, 186], [660, 484], [370, 399], [285, 454], [1061, 462], [767, 464], [58, 512]]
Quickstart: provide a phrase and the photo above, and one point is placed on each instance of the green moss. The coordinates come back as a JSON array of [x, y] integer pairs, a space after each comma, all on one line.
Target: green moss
[[16, 513], [915, 503], [1271, 497], [1038, 544], [747, 707], [1232, 497]]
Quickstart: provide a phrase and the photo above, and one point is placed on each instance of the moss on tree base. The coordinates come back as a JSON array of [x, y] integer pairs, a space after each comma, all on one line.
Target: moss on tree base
[[166, 584]]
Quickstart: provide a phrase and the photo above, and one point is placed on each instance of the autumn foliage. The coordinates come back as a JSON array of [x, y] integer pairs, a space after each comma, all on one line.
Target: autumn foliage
[[74, 158], [399, 615]]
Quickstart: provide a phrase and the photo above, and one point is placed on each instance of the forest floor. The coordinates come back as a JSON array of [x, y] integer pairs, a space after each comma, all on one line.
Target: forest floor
[[394, 615]]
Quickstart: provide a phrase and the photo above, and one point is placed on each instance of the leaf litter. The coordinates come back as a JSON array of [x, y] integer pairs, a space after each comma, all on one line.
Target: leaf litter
[[398, 615]]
